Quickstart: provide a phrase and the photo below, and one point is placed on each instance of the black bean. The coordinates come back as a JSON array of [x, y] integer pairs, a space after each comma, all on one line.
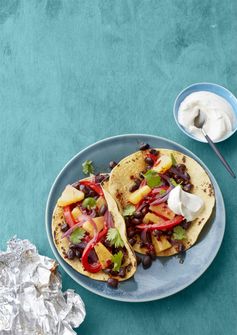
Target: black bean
[[92, 194], [80, 246], [152, 253], [70, 253], [139, 260], [112, 282], [128, 220], [85, 189], [186, 175], [185, 224], [99, 178], [113, 273], [181, 167], [112, 164], [132, 241], [141, 175], [145, 210], [146, 262], [149, 161], [136, 221], [64, 227], [144, 146], [122, 272], [78, 253], [107, 271], [133, 188], [107, 243], [142, 244], [102, 210], [131, 233], [137, 181], [137, 215], [188, 187], [154, 152]]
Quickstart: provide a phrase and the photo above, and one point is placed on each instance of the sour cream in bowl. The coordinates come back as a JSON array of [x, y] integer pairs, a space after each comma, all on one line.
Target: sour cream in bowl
[[217, 105]]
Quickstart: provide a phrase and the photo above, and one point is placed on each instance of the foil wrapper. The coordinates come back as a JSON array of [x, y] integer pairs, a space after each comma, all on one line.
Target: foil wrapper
[[31, 297]]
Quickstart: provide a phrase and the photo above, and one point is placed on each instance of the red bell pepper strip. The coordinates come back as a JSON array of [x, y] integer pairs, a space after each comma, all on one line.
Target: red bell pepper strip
[[162, 226], [95, 187], [95, 267], [68, 216], [102, 233]]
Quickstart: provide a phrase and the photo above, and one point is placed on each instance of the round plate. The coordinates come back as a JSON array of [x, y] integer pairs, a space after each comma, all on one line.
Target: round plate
[[167, 275]]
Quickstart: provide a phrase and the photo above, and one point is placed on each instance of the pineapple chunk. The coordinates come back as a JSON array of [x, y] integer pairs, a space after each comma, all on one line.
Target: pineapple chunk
[[99, 221], [150, 217], [100, 202], [161, 244], [164, 163], [139, 194], [76, 212], [104, 255], [69, 196], [162, 210]]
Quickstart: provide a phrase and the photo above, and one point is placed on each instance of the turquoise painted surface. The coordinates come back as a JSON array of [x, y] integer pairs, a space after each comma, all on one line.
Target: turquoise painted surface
[[73, 72]]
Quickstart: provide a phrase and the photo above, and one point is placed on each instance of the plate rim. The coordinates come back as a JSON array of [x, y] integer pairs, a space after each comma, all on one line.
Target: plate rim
[[118, 298]]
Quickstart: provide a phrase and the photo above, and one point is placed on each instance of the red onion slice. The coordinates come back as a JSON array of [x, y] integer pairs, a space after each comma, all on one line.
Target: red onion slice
[[82, 219], [159, 201], [108, 219], [93, 213], [166, 178], [141, 206], [70, 230], [156, 190]]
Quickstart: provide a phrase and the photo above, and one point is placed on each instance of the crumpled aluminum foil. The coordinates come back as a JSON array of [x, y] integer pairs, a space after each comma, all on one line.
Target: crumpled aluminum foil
[[31, 297]]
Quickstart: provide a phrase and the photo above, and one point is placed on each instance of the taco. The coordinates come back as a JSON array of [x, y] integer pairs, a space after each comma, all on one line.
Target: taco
[[90, 233], [166, 198]]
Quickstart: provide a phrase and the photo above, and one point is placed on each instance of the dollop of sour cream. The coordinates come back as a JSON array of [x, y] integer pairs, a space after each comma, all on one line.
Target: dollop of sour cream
[[184, 203], [219, 115]]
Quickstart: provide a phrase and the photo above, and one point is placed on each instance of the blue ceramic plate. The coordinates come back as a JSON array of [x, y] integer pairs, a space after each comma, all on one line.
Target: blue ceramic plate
[[166, 276]]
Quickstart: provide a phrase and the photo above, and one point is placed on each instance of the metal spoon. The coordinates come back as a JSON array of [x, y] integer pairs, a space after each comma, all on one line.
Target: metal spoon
[[199, 122]]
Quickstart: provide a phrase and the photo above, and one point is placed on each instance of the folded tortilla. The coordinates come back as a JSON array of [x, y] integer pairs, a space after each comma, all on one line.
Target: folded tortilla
[[62, 244], [121, 179]]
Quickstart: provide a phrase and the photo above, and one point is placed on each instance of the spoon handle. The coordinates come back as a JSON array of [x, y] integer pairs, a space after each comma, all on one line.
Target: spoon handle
[[222, 159]]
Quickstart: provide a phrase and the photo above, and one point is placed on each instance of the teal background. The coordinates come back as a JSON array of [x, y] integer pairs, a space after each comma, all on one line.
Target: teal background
[[73, 72]]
